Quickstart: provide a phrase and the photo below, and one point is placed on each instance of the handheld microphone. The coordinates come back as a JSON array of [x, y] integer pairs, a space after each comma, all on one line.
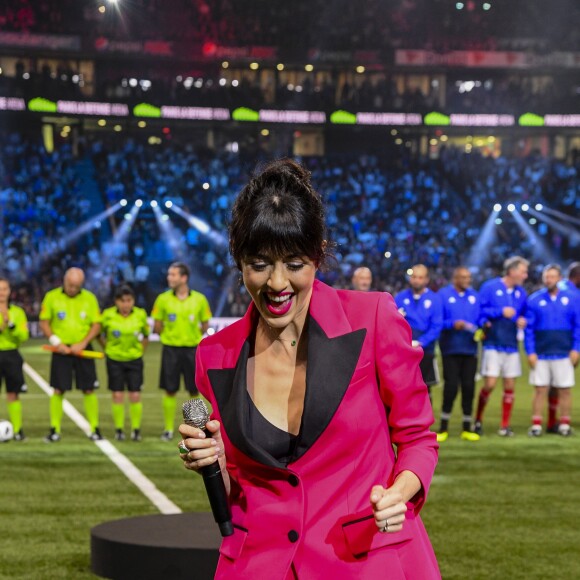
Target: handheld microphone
[[195, 414]]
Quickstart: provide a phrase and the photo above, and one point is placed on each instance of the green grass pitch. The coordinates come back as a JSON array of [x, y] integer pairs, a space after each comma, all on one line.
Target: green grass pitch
[[497, 508]]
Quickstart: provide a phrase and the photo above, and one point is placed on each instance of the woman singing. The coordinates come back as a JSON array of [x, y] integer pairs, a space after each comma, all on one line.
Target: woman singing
[[310, 391]]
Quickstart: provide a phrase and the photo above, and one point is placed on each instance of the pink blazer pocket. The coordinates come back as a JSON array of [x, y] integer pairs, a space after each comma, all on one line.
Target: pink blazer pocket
[[362, 535], [231, 546]]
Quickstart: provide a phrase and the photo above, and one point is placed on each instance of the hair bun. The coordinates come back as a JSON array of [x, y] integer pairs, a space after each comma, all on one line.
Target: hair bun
[[285, 169]]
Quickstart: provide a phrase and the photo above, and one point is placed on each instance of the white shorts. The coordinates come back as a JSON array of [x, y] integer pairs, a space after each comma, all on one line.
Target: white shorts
[[495, 363], [553, 373]]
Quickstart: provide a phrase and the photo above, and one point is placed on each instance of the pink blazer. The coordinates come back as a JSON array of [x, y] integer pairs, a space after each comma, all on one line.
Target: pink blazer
[[364, 395]]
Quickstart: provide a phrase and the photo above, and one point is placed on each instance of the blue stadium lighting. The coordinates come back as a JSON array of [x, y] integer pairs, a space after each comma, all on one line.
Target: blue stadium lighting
[[480, 250], [525, 207], [139, 203], [533, 221], [75, 234], [566, 229], [168, 204], [540, 248], [123, 202], [203, 228], [511, 207], [127, 216], [539, 207], [170, 234], [153, 203], [562, 216], [498, 221]]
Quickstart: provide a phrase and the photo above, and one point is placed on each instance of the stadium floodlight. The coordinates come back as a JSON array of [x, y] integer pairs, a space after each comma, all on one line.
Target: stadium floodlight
[[206, 185], [533, 221], [410, 272], [164, 217], [525, 207], [123, 202], [511, 207], [153, 203], [498, 221], [139, 203], [168, 204], [497, 207], [388, 255], [539, 207]]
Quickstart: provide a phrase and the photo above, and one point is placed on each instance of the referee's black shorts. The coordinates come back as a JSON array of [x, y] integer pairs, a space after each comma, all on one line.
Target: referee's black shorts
[[123, 374], [178, 361], [63, 367], [11, 371], [429, 370]]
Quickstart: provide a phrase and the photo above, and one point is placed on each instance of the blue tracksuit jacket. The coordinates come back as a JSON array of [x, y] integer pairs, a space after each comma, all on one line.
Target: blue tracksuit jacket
[[456, 306], [424, 315], [553, 324], [494, 296]]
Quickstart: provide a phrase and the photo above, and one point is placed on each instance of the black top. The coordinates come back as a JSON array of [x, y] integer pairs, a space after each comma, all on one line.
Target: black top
[[278, 443]]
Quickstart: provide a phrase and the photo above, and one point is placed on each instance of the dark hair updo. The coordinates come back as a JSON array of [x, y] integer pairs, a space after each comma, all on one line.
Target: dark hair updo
[[278, 213]]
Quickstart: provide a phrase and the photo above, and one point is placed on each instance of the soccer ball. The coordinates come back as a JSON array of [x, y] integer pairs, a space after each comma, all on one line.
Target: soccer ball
[[6, 431]]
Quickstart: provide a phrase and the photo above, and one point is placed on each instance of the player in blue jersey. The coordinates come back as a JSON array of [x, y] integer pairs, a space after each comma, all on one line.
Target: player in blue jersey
[[572, 284], [503, 308], [422, 309], [461, 314], [553, 347]]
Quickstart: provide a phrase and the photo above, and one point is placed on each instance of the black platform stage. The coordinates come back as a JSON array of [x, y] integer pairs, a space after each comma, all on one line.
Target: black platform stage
[[159, 547]]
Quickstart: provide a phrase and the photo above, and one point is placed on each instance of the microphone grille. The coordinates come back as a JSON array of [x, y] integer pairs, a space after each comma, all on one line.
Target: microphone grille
[[195, 413]]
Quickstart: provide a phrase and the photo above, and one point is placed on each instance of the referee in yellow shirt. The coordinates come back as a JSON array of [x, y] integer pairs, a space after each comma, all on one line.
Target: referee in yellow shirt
[[124, 336], [181, 318], [13, 332], [70, 318]]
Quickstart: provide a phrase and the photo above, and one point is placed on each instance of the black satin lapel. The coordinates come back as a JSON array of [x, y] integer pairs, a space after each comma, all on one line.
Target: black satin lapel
[[229, 387], [331, 364]]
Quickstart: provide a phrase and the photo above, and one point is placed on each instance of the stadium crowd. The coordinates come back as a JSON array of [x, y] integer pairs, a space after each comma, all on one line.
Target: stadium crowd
[[413, 208]]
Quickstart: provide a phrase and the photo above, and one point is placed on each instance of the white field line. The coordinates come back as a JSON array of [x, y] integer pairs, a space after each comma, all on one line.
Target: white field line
[[129, 469]]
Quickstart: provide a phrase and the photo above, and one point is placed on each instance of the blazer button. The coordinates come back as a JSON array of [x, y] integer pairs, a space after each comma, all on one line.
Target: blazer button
[[293, 480], [293, 536]]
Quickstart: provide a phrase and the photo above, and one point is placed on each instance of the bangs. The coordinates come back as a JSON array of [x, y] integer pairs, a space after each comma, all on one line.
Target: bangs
[[278, 236]]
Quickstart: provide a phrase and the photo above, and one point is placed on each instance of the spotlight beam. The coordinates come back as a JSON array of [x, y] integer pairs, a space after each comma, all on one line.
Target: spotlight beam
[[77, 233], [541, 250], [170, 235], [480, 250], [561, 215], [108, 254], [564, 229], [202, 227]]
